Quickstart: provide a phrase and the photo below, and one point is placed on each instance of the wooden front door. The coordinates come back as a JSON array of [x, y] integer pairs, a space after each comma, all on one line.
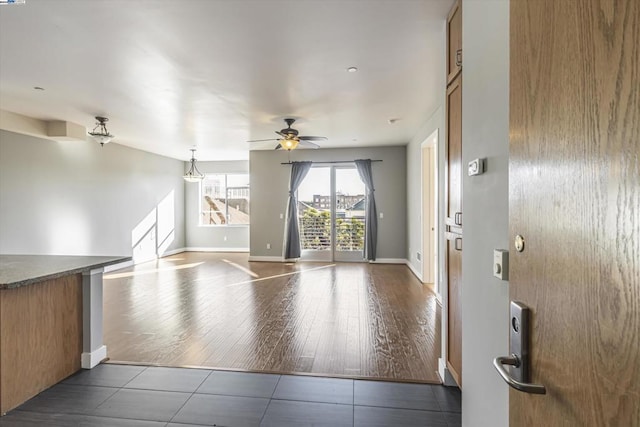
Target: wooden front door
[[574, 195]]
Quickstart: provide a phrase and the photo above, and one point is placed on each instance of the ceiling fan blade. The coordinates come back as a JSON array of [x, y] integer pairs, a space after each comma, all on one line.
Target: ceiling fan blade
[[281, 134], [309, 144], [263, 140], [279, 146], [312, 138]]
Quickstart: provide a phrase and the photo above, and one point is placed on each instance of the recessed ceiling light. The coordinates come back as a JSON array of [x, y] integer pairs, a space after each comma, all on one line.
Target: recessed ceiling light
[[352, 69], [38, 88]]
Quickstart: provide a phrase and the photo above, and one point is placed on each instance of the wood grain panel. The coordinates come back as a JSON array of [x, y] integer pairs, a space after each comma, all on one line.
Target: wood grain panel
[[453, 200], [575, 197], [41, 337], [454, 41], [453, 153], [454, 303], [221, 311]]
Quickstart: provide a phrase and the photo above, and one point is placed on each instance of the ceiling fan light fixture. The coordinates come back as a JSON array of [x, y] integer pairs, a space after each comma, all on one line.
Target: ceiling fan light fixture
[[289, 144], [290, 138], [193, 175], [100, 132]]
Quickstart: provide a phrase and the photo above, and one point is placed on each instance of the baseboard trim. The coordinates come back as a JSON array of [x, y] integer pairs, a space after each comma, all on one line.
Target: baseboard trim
[[90, 360], [389, 261], [414, 270], [205, 249], [266, 258], [445, 375], [173, 252]]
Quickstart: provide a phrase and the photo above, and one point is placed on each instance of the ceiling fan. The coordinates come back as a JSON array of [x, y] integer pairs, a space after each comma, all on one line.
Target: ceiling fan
[[290, 140]]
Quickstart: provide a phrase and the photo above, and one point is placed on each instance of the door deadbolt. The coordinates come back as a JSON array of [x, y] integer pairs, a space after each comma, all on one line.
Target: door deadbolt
[[519, 243]]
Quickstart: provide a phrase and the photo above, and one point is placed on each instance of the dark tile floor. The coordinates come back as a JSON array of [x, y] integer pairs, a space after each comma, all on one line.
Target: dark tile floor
[[131, 396]]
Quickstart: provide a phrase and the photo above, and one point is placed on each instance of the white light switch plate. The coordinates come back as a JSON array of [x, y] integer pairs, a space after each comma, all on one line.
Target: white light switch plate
[[501, 264]]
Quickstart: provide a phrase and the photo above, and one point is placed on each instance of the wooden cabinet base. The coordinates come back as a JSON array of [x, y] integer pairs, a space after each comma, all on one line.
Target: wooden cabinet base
[[40, 337]]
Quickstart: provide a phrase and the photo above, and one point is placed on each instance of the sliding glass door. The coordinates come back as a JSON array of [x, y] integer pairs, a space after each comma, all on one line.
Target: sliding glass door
[[332, 214]]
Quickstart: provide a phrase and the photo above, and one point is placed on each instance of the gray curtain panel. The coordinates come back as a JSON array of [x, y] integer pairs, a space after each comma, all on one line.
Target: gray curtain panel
[[371, 222], [292, 233]]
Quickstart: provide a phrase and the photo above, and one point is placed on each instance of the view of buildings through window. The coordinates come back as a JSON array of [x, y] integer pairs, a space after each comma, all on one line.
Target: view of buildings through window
[[224, 199], [315, 206]]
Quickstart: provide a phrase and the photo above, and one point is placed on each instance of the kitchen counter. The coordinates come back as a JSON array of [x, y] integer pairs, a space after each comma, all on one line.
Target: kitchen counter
[[22, 270], [50, 321]]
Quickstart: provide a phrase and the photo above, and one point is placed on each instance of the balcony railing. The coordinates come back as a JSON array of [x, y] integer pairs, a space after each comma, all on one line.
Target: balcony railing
[[315, 233]]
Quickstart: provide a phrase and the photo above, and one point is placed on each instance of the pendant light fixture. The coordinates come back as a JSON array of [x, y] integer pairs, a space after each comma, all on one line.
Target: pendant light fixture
[[100, 132], [194, 175]]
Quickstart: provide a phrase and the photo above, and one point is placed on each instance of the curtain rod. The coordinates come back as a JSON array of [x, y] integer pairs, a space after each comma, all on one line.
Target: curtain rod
[[335, 161]]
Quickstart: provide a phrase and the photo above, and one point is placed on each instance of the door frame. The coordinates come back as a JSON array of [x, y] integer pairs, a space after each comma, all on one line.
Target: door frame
[[430, 211]]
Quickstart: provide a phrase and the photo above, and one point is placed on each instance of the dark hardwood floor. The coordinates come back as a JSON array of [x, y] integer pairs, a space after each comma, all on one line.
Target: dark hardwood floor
[[218, 310]]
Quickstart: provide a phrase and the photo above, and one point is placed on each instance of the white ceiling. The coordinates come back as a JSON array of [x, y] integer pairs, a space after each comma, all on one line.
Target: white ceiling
[[173, 74]]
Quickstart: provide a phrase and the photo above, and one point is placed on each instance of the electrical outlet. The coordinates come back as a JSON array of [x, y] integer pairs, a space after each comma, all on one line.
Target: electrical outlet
[[381, 215], [268, 245], [281, 216]]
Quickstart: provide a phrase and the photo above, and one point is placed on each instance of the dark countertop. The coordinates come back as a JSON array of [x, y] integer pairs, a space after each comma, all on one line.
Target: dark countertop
[[21, 270]]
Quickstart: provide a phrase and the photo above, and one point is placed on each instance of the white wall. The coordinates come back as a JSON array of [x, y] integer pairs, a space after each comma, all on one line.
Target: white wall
[[79, 198], [414, 188], [414, 163], [270, 187], [213, 237], [485, 133]]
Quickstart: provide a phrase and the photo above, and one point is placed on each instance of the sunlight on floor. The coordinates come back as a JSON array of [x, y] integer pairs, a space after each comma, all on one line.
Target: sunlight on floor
[[239, 267], [279, 275], [152, 271]]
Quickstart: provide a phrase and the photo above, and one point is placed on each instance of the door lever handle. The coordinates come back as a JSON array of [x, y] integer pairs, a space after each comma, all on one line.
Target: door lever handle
[[513, 360]]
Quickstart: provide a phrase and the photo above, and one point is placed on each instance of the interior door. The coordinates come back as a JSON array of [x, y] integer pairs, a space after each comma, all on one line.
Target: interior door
[[574, 196]]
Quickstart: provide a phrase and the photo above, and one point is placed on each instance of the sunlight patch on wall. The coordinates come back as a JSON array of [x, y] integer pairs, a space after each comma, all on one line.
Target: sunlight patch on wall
[[143, 238], [166, 223], [153, 235]]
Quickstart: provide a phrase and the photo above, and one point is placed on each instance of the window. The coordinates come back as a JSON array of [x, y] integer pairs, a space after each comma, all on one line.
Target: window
[[224, 199]]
